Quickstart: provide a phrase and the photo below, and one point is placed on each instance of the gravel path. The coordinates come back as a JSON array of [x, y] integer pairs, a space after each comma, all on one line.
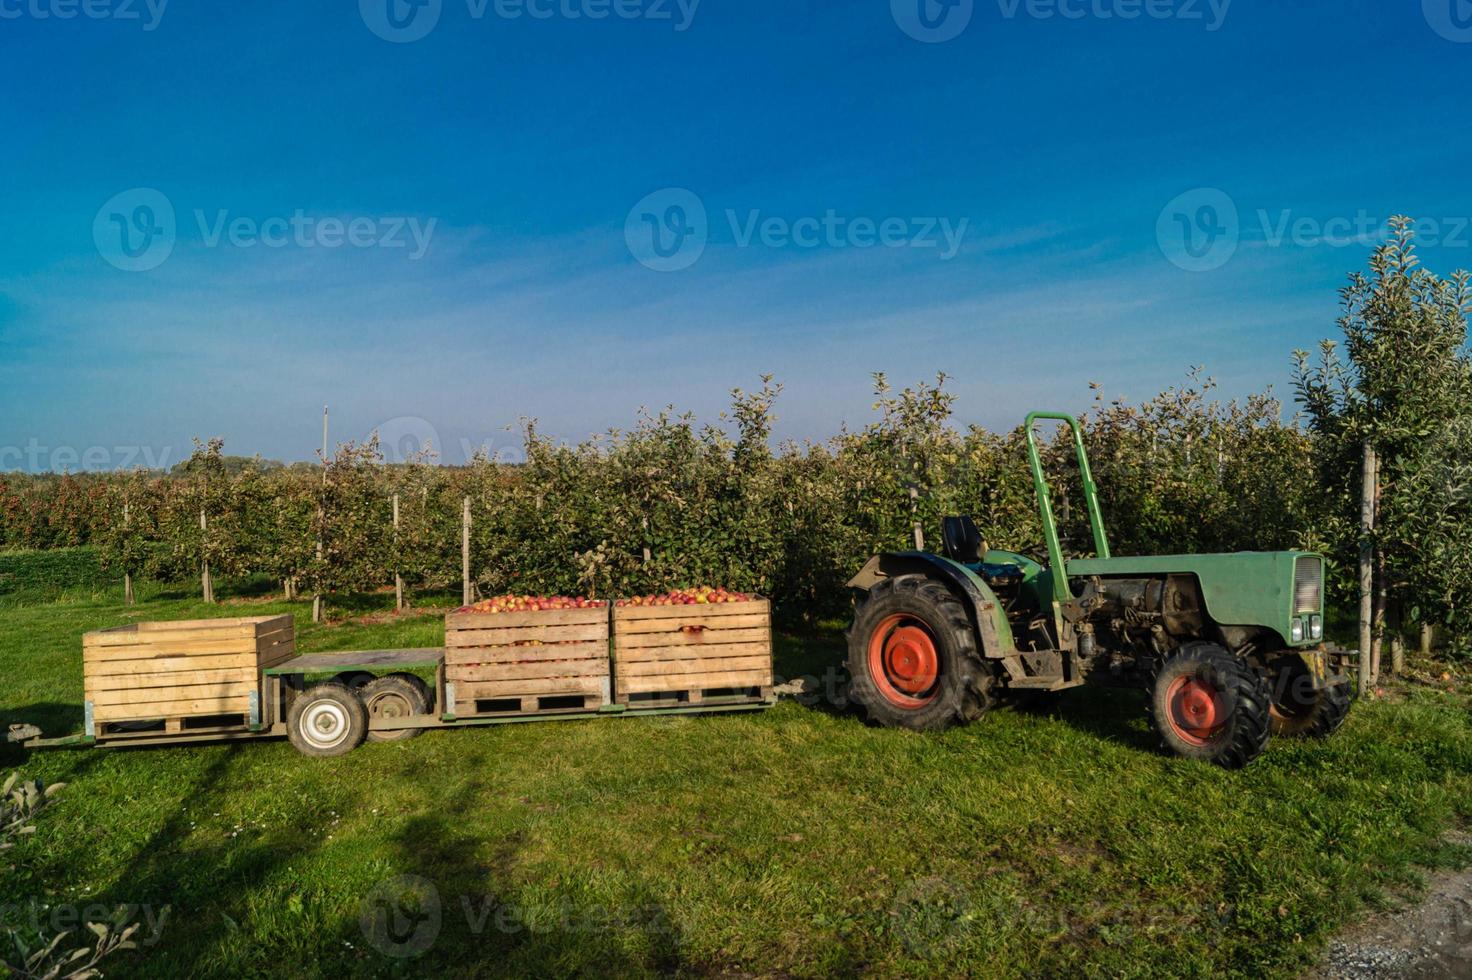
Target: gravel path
[[1430, 939]]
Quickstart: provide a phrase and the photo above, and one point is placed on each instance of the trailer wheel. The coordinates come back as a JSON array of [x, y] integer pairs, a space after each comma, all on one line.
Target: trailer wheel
[[1207, 704], [395, 696], [913, 660], [326, 720]]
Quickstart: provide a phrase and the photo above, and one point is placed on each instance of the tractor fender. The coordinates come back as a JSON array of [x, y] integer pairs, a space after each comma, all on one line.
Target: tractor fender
[[986, 613]]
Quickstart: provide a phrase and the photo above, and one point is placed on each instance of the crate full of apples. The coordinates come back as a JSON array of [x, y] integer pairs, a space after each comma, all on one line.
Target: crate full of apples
[[522, 653], [692, 645]]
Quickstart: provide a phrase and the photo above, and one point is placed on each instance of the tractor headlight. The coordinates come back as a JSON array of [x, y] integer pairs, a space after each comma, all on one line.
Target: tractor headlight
[[1316, 627], [1296, 631]]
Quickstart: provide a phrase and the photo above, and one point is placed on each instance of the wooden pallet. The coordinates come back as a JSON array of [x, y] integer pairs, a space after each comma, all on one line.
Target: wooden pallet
[[526, 662], [170, 673], [692, 654]]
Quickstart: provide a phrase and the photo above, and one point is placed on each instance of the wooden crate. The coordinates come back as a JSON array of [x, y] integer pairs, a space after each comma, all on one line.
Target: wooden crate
[[693, 653], [171, 672], [525, 662]]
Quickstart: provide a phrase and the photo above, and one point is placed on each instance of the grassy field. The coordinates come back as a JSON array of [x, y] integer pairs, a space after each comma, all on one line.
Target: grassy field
[[793, 842]]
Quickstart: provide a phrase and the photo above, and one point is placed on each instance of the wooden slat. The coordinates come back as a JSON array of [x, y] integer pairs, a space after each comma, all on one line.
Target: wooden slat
[[497, 672], [688, 682], [190, 692], [674, 625], [172, 631], [275, 624], [173, 663], [677, 661], [547, 634], [133, 682], [142, 651], [550, 617], [709, 651], [753, 634], [757, 664], [511, 655], [171, 709], [494, 690], [227, 621], [629, 614]]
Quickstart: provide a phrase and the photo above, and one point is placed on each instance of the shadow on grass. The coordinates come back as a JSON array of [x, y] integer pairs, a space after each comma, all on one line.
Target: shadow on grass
[[455, 907], [167, 869], [54, 718], [1109, 713]]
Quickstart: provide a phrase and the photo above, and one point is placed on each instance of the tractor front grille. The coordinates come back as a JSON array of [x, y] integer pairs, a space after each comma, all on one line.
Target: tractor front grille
[[1308, 585]]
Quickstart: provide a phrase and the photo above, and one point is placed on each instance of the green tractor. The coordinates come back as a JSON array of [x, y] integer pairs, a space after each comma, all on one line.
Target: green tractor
[[1229, 647]]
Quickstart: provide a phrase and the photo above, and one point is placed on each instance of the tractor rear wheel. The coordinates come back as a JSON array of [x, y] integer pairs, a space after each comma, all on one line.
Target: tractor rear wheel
[[913, 659], [1207, 704], [1299, 710]]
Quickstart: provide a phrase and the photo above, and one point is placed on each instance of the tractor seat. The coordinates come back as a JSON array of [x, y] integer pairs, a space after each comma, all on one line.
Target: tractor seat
[[997, 574], [961, 540]]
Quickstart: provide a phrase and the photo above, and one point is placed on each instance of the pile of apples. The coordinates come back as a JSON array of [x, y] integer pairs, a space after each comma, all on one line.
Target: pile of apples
[[704, 595], [531, 603]]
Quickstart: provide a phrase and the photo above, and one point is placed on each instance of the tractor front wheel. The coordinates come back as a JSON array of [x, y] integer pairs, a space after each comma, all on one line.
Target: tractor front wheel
[[913, 658], [1207, 704], [1301, 710]]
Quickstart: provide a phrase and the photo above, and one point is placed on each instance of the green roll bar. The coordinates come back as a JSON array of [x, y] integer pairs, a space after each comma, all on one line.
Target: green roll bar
[[1061, 591]]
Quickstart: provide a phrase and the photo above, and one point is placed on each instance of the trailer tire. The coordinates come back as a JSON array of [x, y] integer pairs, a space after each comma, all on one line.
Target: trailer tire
[[395, 696], [1207, 704], [326, 720], [913, 659]]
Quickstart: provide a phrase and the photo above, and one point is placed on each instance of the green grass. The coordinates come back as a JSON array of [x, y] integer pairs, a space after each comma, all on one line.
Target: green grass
[[794, 842]]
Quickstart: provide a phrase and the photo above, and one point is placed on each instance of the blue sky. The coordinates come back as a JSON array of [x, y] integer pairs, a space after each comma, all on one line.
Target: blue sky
[[1066, 146]]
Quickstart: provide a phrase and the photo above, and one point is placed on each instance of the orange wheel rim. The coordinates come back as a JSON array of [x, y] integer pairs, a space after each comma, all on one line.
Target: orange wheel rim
[[1195, 710], [903, 662]]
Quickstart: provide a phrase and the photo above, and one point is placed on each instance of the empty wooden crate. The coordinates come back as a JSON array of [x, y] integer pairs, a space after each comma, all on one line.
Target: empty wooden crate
[[171, 673], [523, 662], [692, 653]]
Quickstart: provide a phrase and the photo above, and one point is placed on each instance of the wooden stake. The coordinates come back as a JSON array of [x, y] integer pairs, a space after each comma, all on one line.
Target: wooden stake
[[465, 554], [321, 518], [398, 579], [207, 584], [1367, 565], [1426, 639], [127, 576], [916, 529]]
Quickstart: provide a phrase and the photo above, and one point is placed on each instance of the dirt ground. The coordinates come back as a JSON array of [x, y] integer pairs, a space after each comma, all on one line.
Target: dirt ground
[[1428, 938]]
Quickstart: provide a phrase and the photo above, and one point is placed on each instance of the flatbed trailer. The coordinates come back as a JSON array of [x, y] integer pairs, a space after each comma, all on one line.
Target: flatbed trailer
[[298, 683]]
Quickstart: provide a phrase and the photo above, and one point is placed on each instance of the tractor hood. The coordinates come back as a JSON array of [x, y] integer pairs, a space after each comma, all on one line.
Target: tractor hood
[[1280, 590]]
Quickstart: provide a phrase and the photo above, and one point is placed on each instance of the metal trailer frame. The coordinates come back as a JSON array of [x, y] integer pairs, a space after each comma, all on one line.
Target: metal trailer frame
[[280, 683]]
